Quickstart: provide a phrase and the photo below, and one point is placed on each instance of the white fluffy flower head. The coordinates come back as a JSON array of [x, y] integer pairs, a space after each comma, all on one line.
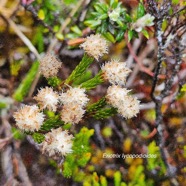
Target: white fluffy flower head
[[118, 97], [115, 95], [49, 66], [115, 72], [47, 98], [29, 118], [95, 46], [74, 95], [72, 113], [146, 20], [57, 142], [130, 108]]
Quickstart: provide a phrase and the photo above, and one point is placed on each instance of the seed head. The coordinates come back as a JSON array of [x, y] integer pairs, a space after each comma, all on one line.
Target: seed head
[[49, 66], [57, 142], [95, 46], [29, 118], [47, 98], [115, 72]]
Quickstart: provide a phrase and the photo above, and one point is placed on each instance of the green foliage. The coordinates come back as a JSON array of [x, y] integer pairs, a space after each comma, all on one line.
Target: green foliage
[[107, 132], [182, 92], [38, 138], [38, 39], [54, 81], [112, 20], [81, 153], [105, 113], [130, 35], [80, 69], [15, 67], [109, 20], [51, 123], [95, 179], [154, 163], [75, 32], [69, 1], [2, 105], [140, 10], [183, 89], [59, 36], [139, 177], [96, 106], [145, 33], [103, 181], [92, 83], [175, 1], [25, 85], [85, 77], [117, 178], [17, 134], [46, 10]]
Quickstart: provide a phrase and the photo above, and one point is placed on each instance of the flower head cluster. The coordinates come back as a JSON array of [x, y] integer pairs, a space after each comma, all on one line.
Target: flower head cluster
[[118, 97], [72, 113], [95, 46], [75, 95], [49, 66], [73, 102], [115, 72], [146, 20], [29, 118], [47, 98], [57, 142]]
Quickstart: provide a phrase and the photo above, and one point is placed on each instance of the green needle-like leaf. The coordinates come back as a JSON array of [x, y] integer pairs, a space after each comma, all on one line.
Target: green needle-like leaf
[[25, 85], [80, 69], [96, 106], [92, 83]]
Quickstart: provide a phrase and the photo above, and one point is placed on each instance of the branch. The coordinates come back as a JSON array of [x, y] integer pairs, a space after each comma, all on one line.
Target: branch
[[141, 66], [160, 14]]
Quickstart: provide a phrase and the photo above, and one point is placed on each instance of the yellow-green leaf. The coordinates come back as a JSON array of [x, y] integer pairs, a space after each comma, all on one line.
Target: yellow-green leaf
[[41, 14]]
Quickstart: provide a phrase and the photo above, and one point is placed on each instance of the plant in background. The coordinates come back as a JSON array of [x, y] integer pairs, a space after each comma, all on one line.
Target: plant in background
[[113, 21]]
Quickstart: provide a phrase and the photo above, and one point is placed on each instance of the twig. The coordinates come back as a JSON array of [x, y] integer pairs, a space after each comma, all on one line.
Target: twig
[[23, 37], [135, 46], [141, 66], [160, 14], [99, 135], [149, 48], [170, 80]]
